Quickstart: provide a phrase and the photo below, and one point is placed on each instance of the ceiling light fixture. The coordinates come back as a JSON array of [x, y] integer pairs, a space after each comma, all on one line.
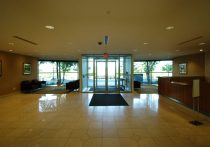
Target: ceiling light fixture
[[69, 43], [202, 43], [177, 50], [169, 28], [11, 50], [108, 12], [201, 50], [49, 27], [11, 43], [145, 43]]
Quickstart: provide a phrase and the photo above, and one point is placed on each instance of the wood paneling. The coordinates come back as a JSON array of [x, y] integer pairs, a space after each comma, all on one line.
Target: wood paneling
[[180, 88], [205, 98], [207, 66], [195, 65], [12, 71]]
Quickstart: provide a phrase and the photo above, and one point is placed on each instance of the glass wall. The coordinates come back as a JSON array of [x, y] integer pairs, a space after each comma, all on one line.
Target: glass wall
[[127, 72], [58, 72], [112, 74], [147, 72]]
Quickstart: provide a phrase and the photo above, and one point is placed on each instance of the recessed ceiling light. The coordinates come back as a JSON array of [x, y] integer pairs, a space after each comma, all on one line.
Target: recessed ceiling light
[[50, 27], [201, 50], [169, 28], [11, 50], [145, 43], [202, 43], [11, 43], [108, 12], [177, 50]]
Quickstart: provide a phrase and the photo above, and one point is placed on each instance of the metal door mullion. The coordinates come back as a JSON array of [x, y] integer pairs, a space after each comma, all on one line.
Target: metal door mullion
[[87, 72], [94, 74], [115, 74], [119, 74], [106, 76]]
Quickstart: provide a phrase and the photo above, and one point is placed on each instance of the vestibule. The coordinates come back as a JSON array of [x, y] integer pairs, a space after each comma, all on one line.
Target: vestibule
[[106, 74]]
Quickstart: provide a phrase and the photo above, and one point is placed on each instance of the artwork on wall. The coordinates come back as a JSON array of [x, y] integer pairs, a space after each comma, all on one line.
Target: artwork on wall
[[183, 68], [0, 68], [26, 68]]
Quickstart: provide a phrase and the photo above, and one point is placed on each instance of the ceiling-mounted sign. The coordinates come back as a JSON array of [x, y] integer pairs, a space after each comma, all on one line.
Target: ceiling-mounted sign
[[105, 55]]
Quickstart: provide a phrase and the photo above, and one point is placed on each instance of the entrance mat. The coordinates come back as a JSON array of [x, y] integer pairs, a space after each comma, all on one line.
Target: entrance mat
[[108, 100]]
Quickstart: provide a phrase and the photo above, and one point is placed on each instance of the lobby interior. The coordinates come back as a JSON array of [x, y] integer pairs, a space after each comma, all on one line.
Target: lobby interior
[[105, 33]]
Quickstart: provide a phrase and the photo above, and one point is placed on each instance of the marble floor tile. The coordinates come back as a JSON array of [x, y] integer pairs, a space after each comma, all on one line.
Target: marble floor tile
[[67, 120]]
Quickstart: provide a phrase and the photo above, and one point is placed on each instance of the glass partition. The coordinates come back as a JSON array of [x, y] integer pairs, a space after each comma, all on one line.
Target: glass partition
[[127, 73], [85, 72]]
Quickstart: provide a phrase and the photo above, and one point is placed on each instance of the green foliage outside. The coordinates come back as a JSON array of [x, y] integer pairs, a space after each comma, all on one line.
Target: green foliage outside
[[62, 68], [167, 68], [149, 67], [66, 67]]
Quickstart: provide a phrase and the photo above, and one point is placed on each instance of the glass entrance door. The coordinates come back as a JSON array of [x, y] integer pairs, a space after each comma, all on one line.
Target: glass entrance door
[[106, 75], [112, 75], [100, 75]]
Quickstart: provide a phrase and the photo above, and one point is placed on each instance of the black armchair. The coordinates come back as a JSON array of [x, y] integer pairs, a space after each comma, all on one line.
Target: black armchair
[[72, 85], [137, 84], [29, 86]]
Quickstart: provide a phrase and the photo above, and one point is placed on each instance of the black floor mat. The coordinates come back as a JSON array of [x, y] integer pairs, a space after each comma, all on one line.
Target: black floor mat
[[107, 100]]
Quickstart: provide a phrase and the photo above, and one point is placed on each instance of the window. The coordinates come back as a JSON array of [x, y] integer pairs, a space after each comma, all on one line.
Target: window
[[147, 72], [58, 72]]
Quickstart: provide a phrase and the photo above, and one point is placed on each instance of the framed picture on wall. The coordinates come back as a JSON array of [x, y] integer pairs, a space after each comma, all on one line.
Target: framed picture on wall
[[0, 68], [183, 68], [26, 69]]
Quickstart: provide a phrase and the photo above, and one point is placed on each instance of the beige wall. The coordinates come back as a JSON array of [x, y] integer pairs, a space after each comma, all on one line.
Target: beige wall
[[195, 65], [207, 66], [12, 71]]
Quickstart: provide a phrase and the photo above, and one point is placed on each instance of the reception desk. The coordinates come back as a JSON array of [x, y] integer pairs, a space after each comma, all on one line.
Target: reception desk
[[180, 89]]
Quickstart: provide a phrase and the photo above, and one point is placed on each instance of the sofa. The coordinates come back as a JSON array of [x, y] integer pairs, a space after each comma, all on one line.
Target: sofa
[[72, 85], [137, 84], [30, 85]]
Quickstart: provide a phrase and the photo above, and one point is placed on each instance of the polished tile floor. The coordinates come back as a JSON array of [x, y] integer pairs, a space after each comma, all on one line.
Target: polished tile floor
[[66, 120]]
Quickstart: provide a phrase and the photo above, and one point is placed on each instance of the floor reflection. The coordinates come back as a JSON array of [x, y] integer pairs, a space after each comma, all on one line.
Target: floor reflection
[[149, 101], [51, 102]]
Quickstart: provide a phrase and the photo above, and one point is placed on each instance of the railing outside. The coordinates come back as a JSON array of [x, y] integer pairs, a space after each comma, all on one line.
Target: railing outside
[[154, 76], [51, 77]]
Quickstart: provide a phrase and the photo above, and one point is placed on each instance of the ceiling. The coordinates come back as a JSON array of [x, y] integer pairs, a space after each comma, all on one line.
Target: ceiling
[[136, 27]]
